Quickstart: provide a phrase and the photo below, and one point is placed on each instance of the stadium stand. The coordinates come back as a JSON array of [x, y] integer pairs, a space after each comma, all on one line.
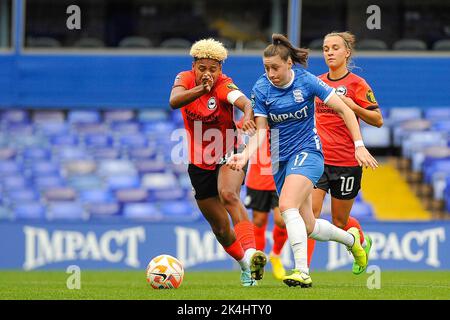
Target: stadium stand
[[84, 164], [371, 44]]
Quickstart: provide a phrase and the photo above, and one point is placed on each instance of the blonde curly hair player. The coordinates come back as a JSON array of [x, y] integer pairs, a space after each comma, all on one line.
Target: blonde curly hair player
[[209, 49], [206, 98]]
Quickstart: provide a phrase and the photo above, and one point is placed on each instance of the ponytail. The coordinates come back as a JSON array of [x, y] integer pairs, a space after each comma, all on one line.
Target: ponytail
[[283, 47]]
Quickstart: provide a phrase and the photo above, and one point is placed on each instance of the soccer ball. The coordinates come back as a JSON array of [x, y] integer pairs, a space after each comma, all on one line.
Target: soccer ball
[[165, 272]]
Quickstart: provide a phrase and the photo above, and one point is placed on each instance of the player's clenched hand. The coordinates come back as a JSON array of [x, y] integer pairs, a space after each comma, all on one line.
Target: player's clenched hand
[[249, 127], [364, 158], [207, 82], [237, 161]]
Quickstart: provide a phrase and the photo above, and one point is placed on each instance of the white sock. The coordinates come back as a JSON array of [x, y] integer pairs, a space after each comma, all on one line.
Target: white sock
[[297, 236], [325, 231], [247, 255], [243, 264]]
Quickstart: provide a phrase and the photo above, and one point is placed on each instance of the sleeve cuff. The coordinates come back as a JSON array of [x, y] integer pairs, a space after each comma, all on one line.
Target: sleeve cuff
[[329, 95]]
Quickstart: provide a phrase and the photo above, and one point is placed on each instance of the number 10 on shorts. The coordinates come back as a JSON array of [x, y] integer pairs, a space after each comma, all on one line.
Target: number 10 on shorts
[[303, 156], [347, 185]]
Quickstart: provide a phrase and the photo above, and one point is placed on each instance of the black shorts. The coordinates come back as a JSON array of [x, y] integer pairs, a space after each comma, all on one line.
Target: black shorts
[[204, 182], [261, 200], [343, 182]]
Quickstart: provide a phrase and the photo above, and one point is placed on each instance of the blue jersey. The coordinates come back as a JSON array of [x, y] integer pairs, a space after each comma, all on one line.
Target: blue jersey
[[290, 111]]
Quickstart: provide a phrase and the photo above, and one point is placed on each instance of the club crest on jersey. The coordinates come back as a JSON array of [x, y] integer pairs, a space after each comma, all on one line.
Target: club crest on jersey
[[370, 96], [212, 103], [298, 96], [341, 91]]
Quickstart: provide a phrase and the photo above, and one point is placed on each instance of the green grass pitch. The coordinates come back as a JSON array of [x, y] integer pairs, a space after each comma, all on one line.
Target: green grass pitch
[[222, 286]]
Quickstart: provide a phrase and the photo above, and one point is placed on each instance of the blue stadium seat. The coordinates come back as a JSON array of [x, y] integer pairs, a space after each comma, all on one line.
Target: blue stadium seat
[[105, 154], [442, 126], [65, 140], [132, 195], [80, 167], [159, 181], [85, 182], [153, 115], [14, 116], [376, 137], [22, 196], [14, 129], [117, 182], [60, 194], [11, 183], [150, 166], [45, 168], [48, 116], [118, 115], [98, 140], [71, 153], [437, 113], [7, 153], [160, 129], [179, 210], [404, 129], [103, 209], [133, 141], [146, 153], [37, 154], [433, 166], [66, 210], [142, 211], [171, 194], [29, 210], [116, 167], [400, 114], [46, 182], [51, 129], [123, 128], [418, 141], [96, 196], [90, 128], [9, 167], [83, 116]]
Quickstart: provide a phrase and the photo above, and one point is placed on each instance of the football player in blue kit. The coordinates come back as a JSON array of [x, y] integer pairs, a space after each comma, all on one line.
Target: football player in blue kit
[[283, 100]]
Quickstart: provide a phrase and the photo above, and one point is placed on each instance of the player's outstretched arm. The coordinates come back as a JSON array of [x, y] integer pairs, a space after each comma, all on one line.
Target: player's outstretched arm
[[239, 160], [363, 156], [245, 105]]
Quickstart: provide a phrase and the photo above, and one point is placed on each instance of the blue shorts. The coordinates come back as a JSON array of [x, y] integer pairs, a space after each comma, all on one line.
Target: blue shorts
[[308, 163]]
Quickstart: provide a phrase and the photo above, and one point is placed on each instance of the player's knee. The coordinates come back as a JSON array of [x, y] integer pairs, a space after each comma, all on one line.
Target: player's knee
[[340, 223], [285, 206], [222, 233], [228, 197], [260, 220]]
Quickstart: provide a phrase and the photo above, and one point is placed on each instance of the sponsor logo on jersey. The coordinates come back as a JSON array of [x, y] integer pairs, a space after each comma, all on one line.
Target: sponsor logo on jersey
[[298, 95], [341, 91], [212, 103], [370, 96], [299, 114], [177, 78]]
